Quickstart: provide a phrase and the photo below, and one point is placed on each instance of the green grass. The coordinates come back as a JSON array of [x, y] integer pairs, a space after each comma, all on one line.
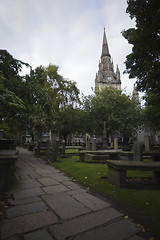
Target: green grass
[[147, 202], [71, 150]]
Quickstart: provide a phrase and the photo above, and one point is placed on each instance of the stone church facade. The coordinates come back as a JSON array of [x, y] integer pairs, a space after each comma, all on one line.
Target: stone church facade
[[106, 75]]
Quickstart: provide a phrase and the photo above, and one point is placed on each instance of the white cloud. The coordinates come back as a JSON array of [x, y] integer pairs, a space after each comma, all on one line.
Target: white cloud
[[67, 33]]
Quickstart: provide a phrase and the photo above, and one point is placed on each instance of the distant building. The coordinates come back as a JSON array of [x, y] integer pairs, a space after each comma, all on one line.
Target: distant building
[[106, 75]]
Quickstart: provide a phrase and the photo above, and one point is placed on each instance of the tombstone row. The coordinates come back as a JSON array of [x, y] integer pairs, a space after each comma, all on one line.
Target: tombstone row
[[91, 144]]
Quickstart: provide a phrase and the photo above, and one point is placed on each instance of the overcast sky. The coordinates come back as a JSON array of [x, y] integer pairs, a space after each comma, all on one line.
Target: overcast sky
[[67, 33]]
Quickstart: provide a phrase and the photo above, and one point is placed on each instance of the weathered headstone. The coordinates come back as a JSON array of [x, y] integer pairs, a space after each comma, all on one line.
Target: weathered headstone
[[137, 151], [50, 135], [48, 150], [38, 147], [94, 147], [55, 146], [104, 145], [63, 149], [115, 143], [88, 142], [1, 134], [146, 144]]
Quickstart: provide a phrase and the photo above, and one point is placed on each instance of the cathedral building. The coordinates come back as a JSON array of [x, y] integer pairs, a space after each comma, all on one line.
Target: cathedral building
[[106, 75]]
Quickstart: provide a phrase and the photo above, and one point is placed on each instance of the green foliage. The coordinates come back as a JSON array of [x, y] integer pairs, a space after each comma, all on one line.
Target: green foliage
[[37, 102], [152, 109], [144, 61], [12, 105], [116, 109], [50, 100]]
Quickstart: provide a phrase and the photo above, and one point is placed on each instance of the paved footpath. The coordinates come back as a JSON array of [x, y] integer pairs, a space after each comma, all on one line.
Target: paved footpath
[[48, 205]]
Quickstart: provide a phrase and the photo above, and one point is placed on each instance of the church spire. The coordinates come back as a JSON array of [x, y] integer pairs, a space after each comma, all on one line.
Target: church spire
[[106, 75], [105, 50], [118, 74]]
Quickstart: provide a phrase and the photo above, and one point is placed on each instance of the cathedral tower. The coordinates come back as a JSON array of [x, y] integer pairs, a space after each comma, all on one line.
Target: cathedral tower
[[106, 75]]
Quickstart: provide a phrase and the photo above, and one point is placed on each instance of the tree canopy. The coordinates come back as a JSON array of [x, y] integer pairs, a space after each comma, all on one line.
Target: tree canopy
[[144, 61], [120, 113], [44, 100], [49, 94], [12, 105], [33, 102]]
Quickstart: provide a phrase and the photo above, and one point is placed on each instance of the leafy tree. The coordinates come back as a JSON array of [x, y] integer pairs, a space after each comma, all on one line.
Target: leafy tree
[[116, 109], [144, 61], [36, 102], [48, 98], [152, 109], [12, 105]]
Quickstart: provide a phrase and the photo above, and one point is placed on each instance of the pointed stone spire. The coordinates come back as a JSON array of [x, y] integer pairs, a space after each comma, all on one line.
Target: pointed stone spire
[[105, 50], [106, 75], [118, 74]]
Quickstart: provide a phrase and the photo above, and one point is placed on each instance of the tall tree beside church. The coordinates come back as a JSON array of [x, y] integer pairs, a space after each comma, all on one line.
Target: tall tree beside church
[[120, 113], [144, 61], [48, 98]]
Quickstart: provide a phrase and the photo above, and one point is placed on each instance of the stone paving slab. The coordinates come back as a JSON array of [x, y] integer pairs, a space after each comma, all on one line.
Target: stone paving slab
[[27, 223], [28, 193], [16, 238], [84, 223], [138, 238], [47, 181], [55, 189], [26, 209], [121, 229], [30, 183], [76, 191], [90, 201], [38, 235], [68, 183], [43, 172], [73, 186], [59, 177], [48, 167], [26, 200], [24, 176], [33, 174], [65, 206]]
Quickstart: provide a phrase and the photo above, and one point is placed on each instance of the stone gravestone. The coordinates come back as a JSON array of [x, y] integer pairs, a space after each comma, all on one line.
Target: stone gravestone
[[63, 149], [94, 147], [1, 134], [55, 145], [48, 151], [115, 143], [38, 147], [88, 148], [112, 144], [104, 145], [146, 144], [138, 151]]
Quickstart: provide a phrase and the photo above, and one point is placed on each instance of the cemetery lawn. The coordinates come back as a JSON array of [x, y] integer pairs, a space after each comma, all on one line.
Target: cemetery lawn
[[142, 205]]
